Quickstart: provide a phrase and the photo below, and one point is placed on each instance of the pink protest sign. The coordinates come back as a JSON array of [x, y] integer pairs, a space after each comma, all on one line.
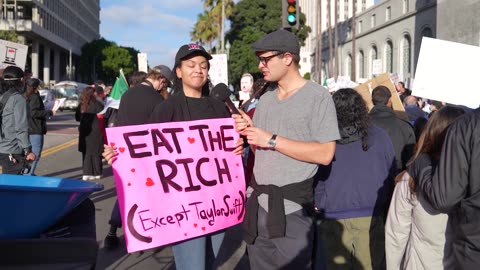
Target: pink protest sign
[[176, 181]]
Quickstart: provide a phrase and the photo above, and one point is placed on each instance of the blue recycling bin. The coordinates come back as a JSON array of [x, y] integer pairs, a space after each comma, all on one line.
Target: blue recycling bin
[[30, 204]]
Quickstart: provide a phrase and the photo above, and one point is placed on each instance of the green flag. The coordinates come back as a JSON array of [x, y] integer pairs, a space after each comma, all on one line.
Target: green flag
[[119, 87]]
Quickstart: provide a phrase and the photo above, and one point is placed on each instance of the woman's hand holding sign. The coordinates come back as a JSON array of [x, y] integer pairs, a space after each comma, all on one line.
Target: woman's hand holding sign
[[109, 153]]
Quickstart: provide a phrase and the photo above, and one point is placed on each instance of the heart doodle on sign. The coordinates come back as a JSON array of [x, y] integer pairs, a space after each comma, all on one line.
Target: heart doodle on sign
[[121, 149], [129, 184], [132, 170], [149, 182], [195, 225], [237, 164], [203, 228], [185, 234], [112, 144], [191, 140]]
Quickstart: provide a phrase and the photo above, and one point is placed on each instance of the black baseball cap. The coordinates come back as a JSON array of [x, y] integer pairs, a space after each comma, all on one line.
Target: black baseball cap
[[190, 50], [280, 40]]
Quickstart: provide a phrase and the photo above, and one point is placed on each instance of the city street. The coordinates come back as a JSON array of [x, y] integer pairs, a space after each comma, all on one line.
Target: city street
[[62, 159]]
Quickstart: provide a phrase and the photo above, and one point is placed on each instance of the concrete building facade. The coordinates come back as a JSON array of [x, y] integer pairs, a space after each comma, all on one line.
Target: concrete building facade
[[54, 31], [459, 21], [391, 33], [311, 10]]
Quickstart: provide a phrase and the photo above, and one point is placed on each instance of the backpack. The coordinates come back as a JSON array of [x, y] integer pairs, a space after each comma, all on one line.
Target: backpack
[[4, 99]]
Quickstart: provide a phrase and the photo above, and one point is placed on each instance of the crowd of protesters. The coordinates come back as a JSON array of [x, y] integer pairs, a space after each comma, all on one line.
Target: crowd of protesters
[[378, 185], [365, 189]]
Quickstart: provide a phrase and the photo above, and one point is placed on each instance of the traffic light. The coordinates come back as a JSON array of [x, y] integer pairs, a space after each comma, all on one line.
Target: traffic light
[[290, 16]]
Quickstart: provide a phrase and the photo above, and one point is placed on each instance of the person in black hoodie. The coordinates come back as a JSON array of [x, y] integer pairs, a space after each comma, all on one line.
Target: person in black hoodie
[[37, 121]]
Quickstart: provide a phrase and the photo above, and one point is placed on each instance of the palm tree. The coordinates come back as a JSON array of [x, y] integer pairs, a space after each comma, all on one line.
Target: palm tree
[[204, 29], [214, 8]]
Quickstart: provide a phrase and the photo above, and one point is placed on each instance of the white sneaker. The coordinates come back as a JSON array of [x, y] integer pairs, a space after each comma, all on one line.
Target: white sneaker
[[96, 177], [87, 177]]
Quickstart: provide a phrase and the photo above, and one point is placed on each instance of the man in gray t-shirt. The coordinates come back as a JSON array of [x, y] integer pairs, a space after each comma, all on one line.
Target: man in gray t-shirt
[[293, 130]]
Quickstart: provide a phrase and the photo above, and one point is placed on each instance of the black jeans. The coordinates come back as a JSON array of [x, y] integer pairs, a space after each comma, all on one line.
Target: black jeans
[[9, 167]]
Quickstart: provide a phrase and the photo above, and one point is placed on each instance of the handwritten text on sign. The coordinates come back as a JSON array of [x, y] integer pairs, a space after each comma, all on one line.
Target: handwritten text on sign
[[177, 181]]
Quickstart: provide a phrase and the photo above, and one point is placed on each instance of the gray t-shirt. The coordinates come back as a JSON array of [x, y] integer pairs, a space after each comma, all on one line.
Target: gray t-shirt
[[308, 115]]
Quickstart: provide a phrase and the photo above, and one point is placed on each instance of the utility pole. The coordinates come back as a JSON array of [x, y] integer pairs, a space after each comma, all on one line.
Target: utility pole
[[354, 36], [330, 40], [336, 70], [319, 42], [223, 27]]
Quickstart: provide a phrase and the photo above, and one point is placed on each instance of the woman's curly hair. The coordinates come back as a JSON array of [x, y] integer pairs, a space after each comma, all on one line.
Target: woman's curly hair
[[352, 112]]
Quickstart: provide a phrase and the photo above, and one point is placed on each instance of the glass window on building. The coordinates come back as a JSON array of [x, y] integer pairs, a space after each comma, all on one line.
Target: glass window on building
[[348, 65], [360, 26], [373, 21], [345, 10], [388, 14], [427, 32], [373, 56], [361, 65], [406, 56], [405, 6], [389, 56]]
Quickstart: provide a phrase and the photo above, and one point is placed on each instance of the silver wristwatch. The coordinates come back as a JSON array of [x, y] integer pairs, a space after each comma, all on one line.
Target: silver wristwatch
[[272, 142]]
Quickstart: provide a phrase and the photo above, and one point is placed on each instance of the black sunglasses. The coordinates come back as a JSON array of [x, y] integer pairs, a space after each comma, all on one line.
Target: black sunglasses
[[264, 60]]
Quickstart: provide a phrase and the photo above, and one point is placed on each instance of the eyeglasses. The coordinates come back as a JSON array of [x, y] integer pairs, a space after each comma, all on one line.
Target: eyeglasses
[[264, 60]]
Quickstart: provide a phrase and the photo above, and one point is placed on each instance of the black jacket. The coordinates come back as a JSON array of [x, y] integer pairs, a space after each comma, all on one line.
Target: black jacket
[[454, 187], [136, 105], [37, 122], [400, 132]]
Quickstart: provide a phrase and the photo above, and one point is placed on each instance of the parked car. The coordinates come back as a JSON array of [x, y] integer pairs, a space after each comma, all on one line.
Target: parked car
[[49, 96], [71, 91]]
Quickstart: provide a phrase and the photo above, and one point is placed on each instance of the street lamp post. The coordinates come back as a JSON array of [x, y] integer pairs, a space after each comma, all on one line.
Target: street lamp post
[[228, 46]]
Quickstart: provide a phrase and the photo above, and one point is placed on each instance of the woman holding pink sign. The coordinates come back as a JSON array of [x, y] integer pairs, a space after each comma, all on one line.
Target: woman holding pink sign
[[190, 101]]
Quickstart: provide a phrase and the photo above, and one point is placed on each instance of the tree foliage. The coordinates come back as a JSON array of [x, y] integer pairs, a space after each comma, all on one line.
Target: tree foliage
[[250, 20], [205, 29], [116, 58], [102, 59], [9, 35], [208, 27]]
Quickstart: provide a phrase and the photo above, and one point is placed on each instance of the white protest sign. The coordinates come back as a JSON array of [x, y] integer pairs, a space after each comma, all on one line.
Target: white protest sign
[[58, 103], [12, 54], [218, 69], [331, 85], [377, 67], [142, 62], [446, 71]]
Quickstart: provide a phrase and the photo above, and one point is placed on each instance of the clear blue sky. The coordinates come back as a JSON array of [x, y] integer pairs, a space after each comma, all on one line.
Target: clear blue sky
[[156, 27]]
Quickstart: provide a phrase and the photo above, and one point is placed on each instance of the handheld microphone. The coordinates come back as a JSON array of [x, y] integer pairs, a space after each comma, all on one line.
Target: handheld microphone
[[222, 93]]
